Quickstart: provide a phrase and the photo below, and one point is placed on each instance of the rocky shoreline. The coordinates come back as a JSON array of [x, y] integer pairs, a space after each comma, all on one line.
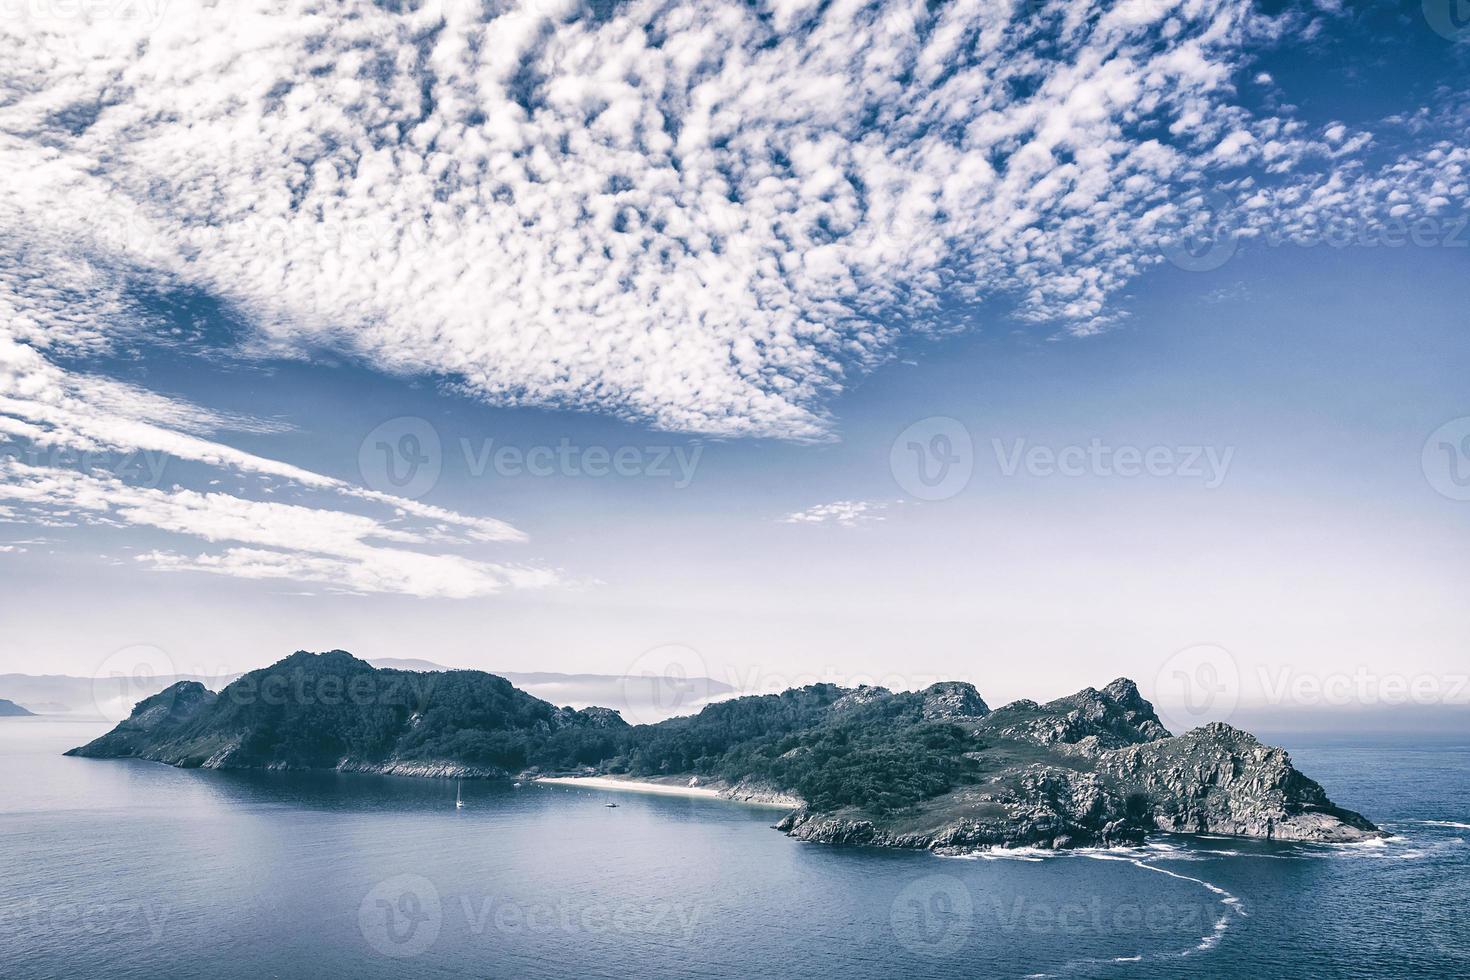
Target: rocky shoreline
[[1215, 780]]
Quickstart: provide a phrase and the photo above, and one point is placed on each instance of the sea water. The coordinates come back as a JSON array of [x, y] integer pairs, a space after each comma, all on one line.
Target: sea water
[[126, 869]]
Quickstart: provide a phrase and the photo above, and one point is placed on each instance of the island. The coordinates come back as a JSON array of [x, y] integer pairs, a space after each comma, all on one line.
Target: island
[[9, 709], [936, 769]]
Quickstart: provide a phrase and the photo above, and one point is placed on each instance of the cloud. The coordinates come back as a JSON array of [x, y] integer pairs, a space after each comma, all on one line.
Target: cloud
[[352, 551], [44, 408], [425, 576], [844, 513], [44, 405], [707, 215]]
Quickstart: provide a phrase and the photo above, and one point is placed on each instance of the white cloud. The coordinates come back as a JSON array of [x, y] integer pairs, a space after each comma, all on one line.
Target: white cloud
[[426, 576], [44, 405], [685, 212], [352, 551], [845, 513]]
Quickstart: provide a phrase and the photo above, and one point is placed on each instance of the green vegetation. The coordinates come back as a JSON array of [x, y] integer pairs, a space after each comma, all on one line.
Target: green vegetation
[[881, 756], [321, 711], [328, 710], [871, 750], [910, 769]]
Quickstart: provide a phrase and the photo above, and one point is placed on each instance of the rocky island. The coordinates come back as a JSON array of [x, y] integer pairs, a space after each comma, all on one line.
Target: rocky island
[[935, 769], [9, 709]]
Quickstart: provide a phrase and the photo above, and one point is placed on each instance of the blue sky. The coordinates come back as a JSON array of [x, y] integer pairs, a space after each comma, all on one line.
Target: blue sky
[[973, 233]]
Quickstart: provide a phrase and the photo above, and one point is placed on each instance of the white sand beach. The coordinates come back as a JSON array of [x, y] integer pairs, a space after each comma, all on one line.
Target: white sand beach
[[661, 789], [632, 785]]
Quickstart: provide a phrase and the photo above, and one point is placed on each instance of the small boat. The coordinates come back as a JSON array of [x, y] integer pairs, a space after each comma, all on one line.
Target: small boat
[[458, 799], [610, 805]]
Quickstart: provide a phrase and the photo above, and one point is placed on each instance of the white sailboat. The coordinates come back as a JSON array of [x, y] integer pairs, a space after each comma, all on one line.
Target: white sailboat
[[458, 799]]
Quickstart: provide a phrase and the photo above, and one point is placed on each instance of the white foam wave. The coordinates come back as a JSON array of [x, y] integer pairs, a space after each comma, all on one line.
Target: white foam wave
[[1030, 854], [1034, 854], [1231, 904], [1369, 845]]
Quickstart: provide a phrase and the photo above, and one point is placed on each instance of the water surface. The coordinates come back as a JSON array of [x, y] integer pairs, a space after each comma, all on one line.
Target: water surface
[[137, 870]]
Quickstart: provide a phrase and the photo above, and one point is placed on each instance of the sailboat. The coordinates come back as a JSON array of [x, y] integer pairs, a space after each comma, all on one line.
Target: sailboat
[[458, 799]]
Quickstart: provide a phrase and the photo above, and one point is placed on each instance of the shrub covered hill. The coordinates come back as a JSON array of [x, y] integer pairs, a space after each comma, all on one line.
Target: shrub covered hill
[[935, 768]]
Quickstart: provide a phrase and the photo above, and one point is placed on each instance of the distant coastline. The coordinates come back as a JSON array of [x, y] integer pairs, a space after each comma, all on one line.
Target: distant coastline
[[9, 709]]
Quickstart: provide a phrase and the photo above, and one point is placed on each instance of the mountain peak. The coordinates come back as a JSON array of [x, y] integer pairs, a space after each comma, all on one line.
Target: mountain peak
[[1115, 716], [1123, 690], [860, 695], [338, 659], [953, 699]]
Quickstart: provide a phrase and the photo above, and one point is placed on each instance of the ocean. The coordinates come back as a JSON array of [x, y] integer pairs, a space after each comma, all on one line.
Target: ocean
[[137, 870]]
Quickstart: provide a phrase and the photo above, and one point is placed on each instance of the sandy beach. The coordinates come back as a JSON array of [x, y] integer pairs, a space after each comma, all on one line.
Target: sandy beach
[[658, 788], [631, 785]]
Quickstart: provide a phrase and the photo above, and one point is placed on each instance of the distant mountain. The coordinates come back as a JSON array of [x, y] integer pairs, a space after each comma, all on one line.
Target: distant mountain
[[646, 698], [936, 768], [9, 709], [643, 698], [106, 697], [408, 663]]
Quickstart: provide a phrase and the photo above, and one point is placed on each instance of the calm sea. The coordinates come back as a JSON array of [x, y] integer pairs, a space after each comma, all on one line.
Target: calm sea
[[136, 870]]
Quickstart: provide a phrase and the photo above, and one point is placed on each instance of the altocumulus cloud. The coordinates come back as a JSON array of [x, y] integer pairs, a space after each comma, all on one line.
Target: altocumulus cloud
[[705, 215], [702, 215]]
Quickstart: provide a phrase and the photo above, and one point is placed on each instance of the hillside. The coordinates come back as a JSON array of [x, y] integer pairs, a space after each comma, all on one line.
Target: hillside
[[649, 698], [333, 711], [936, 768]]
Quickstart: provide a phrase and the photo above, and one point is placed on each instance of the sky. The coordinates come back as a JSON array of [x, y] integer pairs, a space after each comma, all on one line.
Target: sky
[[1031, 344]]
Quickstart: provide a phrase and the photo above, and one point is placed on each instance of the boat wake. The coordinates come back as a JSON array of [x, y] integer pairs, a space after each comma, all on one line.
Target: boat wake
[[1156, 853], [1231, 906]]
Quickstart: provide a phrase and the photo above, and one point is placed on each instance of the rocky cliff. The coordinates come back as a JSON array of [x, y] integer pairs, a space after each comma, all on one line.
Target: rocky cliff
[[1097, 768]]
